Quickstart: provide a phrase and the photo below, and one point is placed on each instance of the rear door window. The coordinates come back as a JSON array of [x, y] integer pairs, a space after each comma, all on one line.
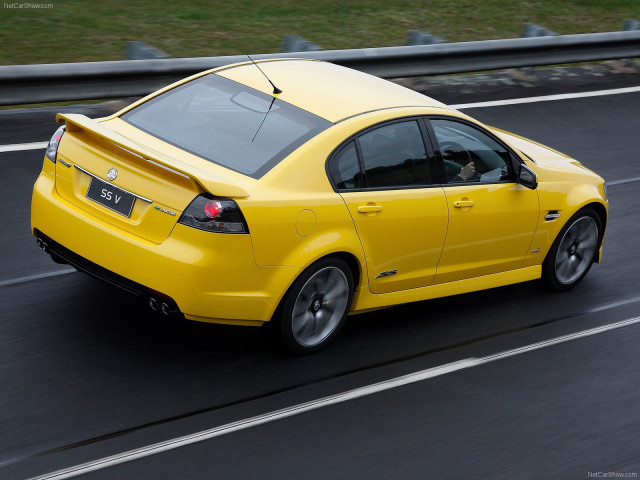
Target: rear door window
[[345, 168], [394, 156], [391, 155]]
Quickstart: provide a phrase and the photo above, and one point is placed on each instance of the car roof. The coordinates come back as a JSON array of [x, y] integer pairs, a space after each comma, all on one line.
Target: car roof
[[330, 91]]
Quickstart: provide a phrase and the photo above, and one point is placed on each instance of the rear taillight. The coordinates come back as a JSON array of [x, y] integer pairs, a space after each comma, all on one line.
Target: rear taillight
[[52, 147], [214, 214]]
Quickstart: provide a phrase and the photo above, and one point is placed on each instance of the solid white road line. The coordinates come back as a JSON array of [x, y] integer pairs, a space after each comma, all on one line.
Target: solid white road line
[[623, 181], [16, 281], [19, 147], [547, 98], [497, 103], [320, 403]]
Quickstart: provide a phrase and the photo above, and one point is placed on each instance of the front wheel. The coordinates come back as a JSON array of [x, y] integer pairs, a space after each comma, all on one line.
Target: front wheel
[[315, 306], [573, 251]]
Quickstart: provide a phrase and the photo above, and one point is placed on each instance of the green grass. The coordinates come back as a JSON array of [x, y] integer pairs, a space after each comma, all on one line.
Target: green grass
[[86, 30]]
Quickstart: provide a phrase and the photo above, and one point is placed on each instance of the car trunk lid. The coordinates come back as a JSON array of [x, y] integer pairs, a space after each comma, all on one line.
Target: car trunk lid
[[129, 185]]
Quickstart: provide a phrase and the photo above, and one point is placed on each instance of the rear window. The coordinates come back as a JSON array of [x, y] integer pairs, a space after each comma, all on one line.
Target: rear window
[[227, 123]]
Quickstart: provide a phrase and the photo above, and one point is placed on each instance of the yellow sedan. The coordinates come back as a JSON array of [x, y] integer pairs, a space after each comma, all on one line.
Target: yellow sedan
[[297, 192]]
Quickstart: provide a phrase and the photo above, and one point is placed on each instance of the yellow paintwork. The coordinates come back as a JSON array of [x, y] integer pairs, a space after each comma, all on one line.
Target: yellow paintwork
[[294, 215], [491, 236], [329, 91], [393, 229]]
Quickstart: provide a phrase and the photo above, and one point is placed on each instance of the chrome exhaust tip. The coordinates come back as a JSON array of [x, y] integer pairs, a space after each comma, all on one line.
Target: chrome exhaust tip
[[154, 304], [167, 309], [42, 244]]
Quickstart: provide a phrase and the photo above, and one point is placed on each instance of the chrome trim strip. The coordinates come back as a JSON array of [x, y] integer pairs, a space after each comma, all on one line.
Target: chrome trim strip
[[117, 186], [128, 151], [167, 168], [551, 216]]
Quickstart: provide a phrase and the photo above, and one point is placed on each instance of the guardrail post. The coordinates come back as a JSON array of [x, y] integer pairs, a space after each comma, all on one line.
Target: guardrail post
[[294, 43], [418, 37], [630, 24], [626, 64], [535, 30], [530, 30], [143, 51]]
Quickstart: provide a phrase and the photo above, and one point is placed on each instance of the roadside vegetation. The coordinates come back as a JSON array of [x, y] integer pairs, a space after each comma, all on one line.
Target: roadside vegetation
[[81, 30]]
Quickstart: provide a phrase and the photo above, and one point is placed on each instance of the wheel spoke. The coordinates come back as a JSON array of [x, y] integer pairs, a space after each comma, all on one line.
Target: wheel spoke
[[563, 259], [305, 325], [588, 245], [330, 285], [337, 292], [300, 307], [563, 269]]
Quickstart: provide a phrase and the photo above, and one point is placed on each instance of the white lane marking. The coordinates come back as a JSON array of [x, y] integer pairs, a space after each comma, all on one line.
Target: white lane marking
[[626, 180], [319, 403], [16, 281], [19, 147], [608, 306], [547, 98], [496, 103]]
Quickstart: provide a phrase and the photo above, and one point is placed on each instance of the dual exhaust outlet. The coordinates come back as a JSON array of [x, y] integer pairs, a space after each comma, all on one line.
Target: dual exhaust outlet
[[43, 245], [156, 304], [166, 307]]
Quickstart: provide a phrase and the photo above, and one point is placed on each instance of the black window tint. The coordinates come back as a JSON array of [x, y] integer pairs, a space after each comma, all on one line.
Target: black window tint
[[461, 144], [394, 156], [227, 123], [345, 169]]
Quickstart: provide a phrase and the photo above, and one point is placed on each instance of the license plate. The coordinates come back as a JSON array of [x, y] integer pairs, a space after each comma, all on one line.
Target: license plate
[[111, 197]]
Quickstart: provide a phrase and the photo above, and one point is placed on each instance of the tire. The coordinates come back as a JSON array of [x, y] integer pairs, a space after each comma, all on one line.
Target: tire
[[573, 251], [314, 308]]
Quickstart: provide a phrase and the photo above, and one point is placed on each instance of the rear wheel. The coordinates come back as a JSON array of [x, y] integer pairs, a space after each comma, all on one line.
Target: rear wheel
[[573, 251], [315, 306]]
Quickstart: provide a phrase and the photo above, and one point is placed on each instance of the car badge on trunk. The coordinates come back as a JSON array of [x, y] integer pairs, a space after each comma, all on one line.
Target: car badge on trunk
[[112, 174]]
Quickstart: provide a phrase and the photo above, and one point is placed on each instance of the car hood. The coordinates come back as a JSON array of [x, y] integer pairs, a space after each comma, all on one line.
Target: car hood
[[540, 154]]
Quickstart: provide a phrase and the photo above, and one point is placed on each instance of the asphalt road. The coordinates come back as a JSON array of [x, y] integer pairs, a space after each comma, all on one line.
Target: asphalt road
[[87, 372]]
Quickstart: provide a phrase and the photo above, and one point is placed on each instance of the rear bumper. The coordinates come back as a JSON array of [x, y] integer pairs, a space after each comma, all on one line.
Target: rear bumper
[[211, 277]]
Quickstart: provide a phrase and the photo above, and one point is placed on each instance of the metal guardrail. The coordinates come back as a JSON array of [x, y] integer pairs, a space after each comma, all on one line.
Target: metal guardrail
[[27, 84]]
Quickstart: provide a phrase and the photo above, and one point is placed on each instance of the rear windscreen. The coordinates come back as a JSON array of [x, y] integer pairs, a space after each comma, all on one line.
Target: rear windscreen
[[227, 123]]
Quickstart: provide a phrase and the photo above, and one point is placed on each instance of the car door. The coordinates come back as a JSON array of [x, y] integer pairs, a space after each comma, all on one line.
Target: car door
[[383, 176], [492, 219]]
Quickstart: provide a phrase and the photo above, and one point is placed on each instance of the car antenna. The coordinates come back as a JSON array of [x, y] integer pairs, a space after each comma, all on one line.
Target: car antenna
[[276, 90]]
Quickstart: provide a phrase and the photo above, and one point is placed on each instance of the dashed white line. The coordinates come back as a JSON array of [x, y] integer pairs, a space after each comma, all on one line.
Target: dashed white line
[[320, 403], [623, 181], [20, 147], [29, 278], [547, 98]]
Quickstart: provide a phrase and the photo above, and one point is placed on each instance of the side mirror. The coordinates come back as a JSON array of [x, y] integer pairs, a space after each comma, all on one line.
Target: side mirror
[[527, 177]]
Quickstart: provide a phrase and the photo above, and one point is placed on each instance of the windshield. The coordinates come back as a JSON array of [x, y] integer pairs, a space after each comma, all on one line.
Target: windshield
[[227, 123]]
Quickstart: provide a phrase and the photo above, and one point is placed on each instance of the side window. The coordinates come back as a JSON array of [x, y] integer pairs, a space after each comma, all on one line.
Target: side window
[[470, 155], [345, 169], [394, 156]]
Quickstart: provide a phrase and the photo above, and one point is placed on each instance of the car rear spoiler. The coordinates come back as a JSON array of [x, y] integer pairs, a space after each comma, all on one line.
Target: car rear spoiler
[[208, 181]]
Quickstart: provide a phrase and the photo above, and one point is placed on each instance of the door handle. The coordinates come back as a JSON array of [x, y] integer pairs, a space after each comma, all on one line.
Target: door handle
[[369, 208], [463, 203]]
